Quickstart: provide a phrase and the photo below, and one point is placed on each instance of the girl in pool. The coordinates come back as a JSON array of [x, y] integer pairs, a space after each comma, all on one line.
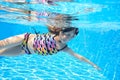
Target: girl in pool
[[43, 44]]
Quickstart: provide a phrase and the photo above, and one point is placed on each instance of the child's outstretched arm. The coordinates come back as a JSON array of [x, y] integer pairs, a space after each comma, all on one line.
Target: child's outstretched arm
[[78, 56], [11, 41]]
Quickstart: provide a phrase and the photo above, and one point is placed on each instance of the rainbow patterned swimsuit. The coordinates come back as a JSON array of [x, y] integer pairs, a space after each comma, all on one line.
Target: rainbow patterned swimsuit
[[44, 44]]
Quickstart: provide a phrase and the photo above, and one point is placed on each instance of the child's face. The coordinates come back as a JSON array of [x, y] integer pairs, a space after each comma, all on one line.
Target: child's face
[[66, 36]]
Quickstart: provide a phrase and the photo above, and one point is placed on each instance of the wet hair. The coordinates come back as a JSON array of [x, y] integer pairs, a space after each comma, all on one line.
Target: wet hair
[[54, 30]]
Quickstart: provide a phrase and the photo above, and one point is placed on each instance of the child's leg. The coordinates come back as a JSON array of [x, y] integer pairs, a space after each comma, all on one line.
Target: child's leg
[[13, 51], [11, 42]]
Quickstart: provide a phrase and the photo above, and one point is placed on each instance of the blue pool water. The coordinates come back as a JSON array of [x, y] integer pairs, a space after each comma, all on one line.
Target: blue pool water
[[98, 40]]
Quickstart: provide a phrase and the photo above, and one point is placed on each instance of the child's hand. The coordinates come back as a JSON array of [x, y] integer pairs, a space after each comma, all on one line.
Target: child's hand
[[98, 68]]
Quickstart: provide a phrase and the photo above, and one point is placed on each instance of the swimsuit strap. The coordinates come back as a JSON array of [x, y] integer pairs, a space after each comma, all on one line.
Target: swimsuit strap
[[25, 43], [62, 48]]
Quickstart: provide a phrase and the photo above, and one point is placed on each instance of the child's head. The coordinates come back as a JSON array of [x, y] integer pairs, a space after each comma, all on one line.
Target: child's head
[[67, 34]]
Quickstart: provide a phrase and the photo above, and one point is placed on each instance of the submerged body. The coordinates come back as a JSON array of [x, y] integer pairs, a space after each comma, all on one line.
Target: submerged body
[[44, 44], [37, 42]]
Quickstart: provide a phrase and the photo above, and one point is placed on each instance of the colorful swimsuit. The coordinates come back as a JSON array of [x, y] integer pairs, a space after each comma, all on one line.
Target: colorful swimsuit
[[25, 42], [43, 44]]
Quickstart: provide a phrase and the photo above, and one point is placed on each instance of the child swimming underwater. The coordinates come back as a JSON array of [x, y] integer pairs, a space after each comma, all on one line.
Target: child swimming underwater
[[43, 44]]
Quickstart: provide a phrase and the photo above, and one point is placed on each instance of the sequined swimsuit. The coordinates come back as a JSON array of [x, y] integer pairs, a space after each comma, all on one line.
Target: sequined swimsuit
[[44, 44]]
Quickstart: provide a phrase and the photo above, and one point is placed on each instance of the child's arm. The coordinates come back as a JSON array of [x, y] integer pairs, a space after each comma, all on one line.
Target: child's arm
[[68, 50], [11, 41]]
